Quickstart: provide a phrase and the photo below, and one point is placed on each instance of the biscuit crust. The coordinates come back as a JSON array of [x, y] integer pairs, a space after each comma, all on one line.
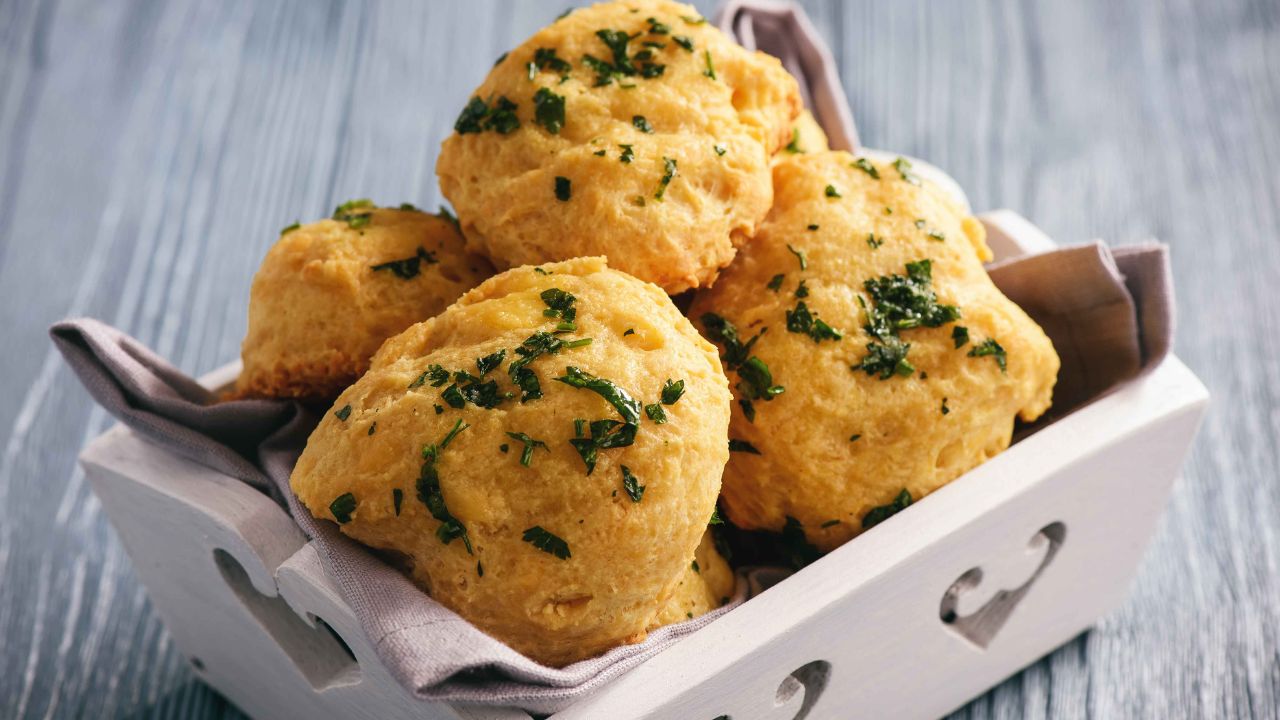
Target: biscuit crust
[[623, 560], [665, 172], [318, 308], [839, 441]]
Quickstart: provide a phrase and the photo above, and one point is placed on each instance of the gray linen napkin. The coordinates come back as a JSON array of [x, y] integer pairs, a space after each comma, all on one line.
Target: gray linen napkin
[[1109, 315]]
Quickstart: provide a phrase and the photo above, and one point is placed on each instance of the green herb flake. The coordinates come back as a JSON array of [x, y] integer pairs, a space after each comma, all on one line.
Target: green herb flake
[[813, 227], [776, 282], [903, 166], [545, 59], [343, 413], [563, 189], [748, 409], [439, 409], [936, 235], [656, 27], [865, 166], [960, 336], [832, 192], [478, 116], [479, 569], [627, 155], [693, 19], [990, 347], [793, 147], [431, 495], [503, 448], [710, 70], [373, 427], [290, 229], [599, 153], [342, 507], [642, 124], [945, 410], [880, 513], [627, 406], [397, 499], [720, 149], [683, 41], [629, 331], [578, 424], [800, 256], [874, 242], [656, 413], [803, 321], [407, 268], [715, 517], [855, 437], [526, 455], [548, 110], [672, 391], [694, 566], [632, 485], [902, 302], [829, 523], [802, 290], [742, 446], [546, 542], [355, 213], [669, 171]]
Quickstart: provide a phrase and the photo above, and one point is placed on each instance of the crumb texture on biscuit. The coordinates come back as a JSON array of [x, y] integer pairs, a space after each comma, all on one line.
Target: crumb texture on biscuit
[[466, 449], [329, 293], [630, 129], [869, 350]]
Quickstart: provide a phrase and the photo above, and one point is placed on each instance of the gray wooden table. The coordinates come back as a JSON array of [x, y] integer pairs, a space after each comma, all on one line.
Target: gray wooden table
[[150, 150]]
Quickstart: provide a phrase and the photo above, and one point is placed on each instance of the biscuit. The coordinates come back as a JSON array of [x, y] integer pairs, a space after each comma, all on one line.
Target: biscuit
[[328, 293], [632, 129], [547, 453], [854, 383]]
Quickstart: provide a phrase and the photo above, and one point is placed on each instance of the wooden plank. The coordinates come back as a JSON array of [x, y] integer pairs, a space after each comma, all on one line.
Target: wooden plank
[[149, 151]]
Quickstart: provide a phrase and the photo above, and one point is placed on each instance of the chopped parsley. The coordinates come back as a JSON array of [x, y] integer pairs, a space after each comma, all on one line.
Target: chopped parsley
[[435, 373], [756, 381], [397, 499], [829, 523], [832, 192], [775, 282], [805, 322], [656, 413], [627, 406], [802, 290], [945, 410], [342, 507], [960, 335], [548, 110], [604, 435], [903, 166], [545, 59], [407, 268], [711, 69], [715, 517], [599, 153], [804, 262], [526, 456], [854, 437], [693, 19], [874, 242], [694, 566], [534, 346], [992, 348], [669, 172], [546, 542], [793, 147], [444, 214], [429, 492], [629, 331], [373, 427], [742, 446], [627, 154], [489, 362], [880, 513], [642, 124], [936, 235], [901, 302], [632, 485], [720, 149], [865, 166], [343, 413], [683, 41], [656, 27], [563, 190], [624, 64], [290, 229], [479, 116], [813, 227], [672, 391]]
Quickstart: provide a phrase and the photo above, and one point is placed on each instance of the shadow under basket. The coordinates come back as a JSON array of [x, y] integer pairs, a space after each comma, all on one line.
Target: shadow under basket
[[911, 620]]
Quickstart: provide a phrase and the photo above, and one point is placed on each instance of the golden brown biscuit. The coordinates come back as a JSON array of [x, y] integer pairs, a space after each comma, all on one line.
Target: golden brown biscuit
[[330, 292], [630, 129], [466, 447], [839, 420], [806, 137], [705, 584]]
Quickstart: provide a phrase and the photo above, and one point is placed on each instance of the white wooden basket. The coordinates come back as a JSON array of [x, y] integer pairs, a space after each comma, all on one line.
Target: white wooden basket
[[911, 620]]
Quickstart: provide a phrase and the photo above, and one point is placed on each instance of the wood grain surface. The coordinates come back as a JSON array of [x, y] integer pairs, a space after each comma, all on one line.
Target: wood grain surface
[[150, 151]]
